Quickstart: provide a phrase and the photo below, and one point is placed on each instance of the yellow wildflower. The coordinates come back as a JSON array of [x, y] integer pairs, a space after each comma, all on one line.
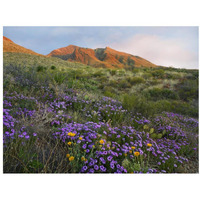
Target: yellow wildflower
[[93, 146], [101, 142], [136, 153], [69, 143], [133, 147], [68, 155], [130, 151], [125, 154], [149, 145], [82, 158], [71, 134], [71, 158], [80, 138]]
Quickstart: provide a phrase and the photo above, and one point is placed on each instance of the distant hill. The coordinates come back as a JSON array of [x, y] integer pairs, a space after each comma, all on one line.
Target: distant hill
[[100, 57], [10, 46]]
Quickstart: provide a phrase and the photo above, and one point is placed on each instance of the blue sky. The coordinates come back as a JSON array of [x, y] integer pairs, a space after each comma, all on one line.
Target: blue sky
[[168, 46]]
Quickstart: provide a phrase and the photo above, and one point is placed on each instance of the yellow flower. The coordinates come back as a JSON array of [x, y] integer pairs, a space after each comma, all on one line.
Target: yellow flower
[[93, 146], [69, 143], [82, 158], [136, 153], [133, 147], [71, 134], [71, 158], [130, 151], [80, 138], [125, 154], [68, 155], [101, 142], [149, 145]]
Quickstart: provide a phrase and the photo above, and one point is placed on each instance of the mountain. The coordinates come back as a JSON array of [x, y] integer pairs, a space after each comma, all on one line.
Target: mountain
[[100, 57], [10, 46]]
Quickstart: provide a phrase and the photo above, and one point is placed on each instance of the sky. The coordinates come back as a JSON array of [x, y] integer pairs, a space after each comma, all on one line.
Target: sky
[[167, 46]]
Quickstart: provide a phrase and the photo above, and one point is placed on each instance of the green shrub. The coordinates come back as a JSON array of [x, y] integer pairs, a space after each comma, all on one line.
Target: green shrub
[[146, 75], [59, 77], [121, 59], [130, 62], [53, 67], [135, 80], [158, 73], [188, 90], [158, 93], [98, 74], [109, 94], [113, 72], [137, 104], [40, 69], [124, 84]]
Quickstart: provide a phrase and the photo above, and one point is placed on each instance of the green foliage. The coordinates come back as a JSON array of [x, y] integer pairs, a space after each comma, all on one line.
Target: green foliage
[[158, 93], [40, 69], [130, 62], [53, 67], [121, 59], [113, 72], [188, 89], [124, 84], [59, 77], [99, 53], [158, 73], [135, 80]]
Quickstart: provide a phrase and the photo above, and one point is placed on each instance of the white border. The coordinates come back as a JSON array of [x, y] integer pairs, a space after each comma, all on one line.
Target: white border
[[98, 13]]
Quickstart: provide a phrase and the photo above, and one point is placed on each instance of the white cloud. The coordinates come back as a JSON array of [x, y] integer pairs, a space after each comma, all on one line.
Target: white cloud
[[160, 51]]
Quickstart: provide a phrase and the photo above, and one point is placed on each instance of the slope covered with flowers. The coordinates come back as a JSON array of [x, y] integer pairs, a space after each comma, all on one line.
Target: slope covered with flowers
[[42, 134]]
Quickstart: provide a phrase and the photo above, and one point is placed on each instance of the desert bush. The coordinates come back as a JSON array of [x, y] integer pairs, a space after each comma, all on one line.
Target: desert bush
[[53, 67], [59, 77], [124, 84], [135, 80], [98, 74], [158, 73], [40, 68], [121, 59], [147, 75], [188, 89], [113, 72], [158, 93]]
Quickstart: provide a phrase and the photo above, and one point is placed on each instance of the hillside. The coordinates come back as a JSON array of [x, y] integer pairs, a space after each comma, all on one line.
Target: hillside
[[100, 57], [10, 46]]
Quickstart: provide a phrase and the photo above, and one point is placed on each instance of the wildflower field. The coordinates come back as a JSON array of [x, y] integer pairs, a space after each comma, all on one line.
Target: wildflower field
[[71, 118]]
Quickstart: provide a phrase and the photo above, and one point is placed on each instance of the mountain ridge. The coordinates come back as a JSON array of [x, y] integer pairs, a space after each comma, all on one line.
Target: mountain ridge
[[104, 57], [99, 57]]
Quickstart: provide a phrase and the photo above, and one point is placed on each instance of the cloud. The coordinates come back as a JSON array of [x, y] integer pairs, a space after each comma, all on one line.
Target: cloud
[[161, 51]]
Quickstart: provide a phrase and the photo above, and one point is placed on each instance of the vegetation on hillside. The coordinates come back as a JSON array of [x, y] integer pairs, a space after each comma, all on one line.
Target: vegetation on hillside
[[64, 117]]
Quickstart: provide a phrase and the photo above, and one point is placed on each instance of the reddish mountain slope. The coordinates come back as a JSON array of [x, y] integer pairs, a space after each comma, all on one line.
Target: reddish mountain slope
[[10, 46], [100, 57]]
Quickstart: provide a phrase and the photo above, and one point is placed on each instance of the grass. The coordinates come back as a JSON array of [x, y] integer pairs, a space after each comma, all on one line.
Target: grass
[[46, 98]]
